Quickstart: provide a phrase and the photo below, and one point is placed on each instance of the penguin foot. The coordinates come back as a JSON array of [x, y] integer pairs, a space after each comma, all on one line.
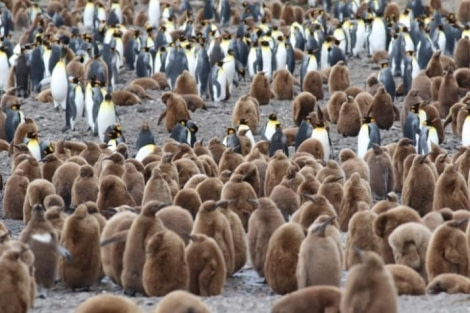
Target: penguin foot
[[41, 293], [130, 292], [65, 128]]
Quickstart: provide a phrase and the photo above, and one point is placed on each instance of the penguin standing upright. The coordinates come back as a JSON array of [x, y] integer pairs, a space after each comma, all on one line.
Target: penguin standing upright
[[218, 83], [14, 118], [304, 132], [106, 116], [143, 66], [185, 132], [358, 37], [190, 53], [376, 38], [230, 68], [267, 57], [243, 126], [37, 66], [255, 60], [202, 70], [309, 63], [59, 83], [427, 136], [32, 142], [369, 134], [4, 68], [22, 74], [322, 134], [231, 140], [385, 77], [145, 142], [223, 10], [269, 127], [280, 54], [89, 15], [466, 129], [75, 104], [278, 141], [411, 127]]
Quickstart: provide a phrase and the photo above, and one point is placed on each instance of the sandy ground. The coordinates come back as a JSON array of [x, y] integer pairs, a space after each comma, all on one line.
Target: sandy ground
[[244, 292]]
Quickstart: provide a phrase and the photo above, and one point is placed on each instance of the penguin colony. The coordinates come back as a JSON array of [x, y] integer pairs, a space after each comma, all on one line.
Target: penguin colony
[[179, 218]]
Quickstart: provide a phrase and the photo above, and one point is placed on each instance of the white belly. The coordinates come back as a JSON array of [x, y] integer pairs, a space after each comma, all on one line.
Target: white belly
[[363, 141], [466, 132], [322, 135]]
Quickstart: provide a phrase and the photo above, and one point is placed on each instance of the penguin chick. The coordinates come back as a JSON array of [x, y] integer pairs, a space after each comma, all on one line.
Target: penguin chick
[[356, 189], [418, 187], [165, 268], [104, 303], [409, 243], [16, 296], [14, 195], [383, 109], [175, 110], [80, 237], [407, 281], [124, 98], [350, 163], [451, 190], [313, 83], [112, 193], [36, 192], [181, 301], [334, 105], [259, 88], [387, 221], [41, 237], [361, 235], [206, 266], [366, 284], [211, 222], [185, 84], [282, 258], [261, 225], [339, 78], [447, 251], [380, 172], [319, 260], [283, 85], [302, 106], [449, 283], [315, 299], [349, 119]]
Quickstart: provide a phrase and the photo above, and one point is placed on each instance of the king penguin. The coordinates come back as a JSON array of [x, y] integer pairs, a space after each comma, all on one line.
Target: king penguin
[[32, 141], [427, 136], [309, 63], [368, 135], [278, 141], [145, 143], [14, 118], [89, 15], [304, 132], [267, 59], [185, 132], [411, 127], [385, 77], [376, 38], [322, 134], [466, 129], [269, 127], [154, 13], [243, 125], [218, 83], [231, 140], [106, 116], [75, 104], [60, 83], [4, 68], [113, 136], [203, 69]]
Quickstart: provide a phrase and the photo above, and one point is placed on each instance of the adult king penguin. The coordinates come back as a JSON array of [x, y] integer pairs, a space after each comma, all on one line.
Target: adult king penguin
[[75, 104], [218, 83], [60, 83], [269, 128], [466, 129], [106, 116], [368, 135], [427, 136]]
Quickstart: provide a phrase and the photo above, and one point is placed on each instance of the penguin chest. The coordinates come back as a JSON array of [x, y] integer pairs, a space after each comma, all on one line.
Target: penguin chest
[[267, 62], [377, 37], [79, 100], [154, 13], [59, 82], [321, 134], [4, 68], [251, 63], [363, 140], [312, 64], [270, 130], [281, 57], [88, 15], [34, 148], [144, 151], [466, 132]]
